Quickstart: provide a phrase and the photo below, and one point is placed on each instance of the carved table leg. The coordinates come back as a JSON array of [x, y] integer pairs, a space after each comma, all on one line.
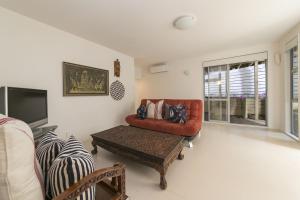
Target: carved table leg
[[94, 151], [163, 181], [180, 156]]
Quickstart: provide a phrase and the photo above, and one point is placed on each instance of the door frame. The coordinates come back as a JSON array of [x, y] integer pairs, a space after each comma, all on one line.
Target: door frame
[[288, 88]]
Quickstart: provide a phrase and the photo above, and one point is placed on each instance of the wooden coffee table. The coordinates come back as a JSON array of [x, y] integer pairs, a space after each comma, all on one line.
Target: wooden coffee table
[[154, 149]]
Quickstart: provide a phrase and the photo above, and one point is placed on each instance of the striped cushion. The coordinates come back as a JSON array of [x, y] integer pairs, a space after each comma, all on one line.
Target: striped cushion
[[71, 164], [47, 150], [154, 110]]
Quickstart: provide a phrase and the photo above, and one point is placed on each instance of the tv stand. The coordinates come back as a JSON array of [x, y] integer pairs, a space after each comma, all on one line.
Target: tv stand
[[38, 133]]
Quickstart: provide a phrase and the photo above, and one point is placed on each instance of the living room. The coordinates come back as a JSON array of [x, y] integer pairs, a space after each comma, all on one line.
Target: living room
[[227, 69]]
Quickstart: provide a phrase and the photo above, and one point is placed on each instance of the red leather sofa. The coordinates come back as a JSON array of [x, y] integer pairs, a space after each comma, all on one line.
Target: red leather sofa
[[189, 129]]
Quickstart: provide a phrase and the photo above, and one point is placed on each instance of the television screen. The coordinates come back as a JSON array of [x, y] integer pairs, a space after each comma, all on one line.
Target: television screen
[[28, 105]]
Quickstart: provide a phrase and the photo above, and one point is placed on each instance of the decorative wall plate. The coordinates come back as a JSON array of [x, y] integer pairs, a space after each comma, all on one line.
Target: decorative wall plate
[[117, 90]]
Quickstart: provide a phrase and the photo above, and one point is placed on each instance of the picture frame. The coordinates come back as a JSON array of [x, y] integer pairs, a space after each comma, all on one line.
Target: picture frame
[[81, 80]]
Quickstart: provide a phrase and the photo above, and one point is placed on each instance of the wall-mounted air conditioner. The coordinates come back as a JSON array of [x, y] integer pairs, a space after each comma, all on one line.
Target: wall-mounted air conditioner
[[158, 68]]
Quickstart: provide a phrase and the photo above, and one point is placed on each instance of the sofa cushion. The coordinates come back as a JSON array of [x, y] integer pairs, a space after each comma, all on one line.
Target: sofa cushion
[[141, 112], [47, 150], [193, 106], [166, 111], [154, 110], [190, 128], [71, 164], [20, 177], [177, 114]]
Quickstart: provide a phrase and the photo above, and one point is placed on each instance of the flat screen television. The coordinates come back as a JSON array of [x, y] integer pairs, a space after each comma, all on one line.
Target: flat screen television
[[28, 105]]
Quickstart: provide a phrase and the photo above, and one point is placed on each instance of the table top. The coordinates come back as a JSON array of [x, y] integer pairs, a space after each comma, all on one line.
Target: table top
[[138, 140]]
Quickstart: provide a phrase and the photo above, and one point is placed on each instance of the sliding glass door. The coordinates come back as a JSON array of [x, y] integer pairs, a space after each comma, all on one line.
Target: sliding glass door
[[248, 93], [236, 93], [216, 95], [294, 90]]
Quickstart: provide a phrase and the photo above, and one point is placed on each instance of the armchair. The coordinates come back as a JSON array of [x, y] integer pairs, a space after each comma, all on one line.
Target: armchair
[[113, 189]]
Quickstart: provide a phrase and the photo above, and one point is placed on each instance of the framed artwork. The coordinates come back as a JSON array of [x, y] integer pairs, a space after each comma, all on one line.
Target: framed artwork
[[80, 80]]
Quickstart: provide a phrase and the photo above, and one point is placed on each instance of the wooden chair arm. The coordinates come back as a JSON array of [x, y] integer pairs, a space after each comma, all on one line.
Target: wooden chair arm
[[117, 173]]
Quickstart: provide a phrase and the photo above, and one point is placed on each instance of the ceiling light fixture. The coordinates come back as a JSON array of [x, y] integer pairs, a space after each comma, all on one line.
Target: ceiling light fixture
[[184, 22]]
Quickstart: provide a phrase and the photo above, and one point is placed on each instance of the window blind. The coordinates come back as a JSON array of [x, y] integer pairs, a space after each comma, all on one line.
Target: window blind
[[237, 59]]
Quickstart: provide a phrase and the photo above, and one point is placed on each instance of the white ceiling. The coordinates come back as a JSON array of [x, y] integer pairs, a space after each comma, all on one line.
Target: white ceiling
[[143, 28]]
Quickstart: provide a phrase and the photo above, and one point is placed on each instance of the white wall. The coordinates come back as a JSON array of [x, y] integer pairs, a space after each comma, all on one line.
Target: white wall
[[174, 84], [31, 56]]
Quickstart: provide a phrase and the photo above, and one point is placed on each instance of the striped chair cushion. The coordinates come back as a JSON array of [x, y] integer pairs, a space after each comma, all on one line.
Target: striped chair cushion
[[71, 164], [46, 152], [154, 110]]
